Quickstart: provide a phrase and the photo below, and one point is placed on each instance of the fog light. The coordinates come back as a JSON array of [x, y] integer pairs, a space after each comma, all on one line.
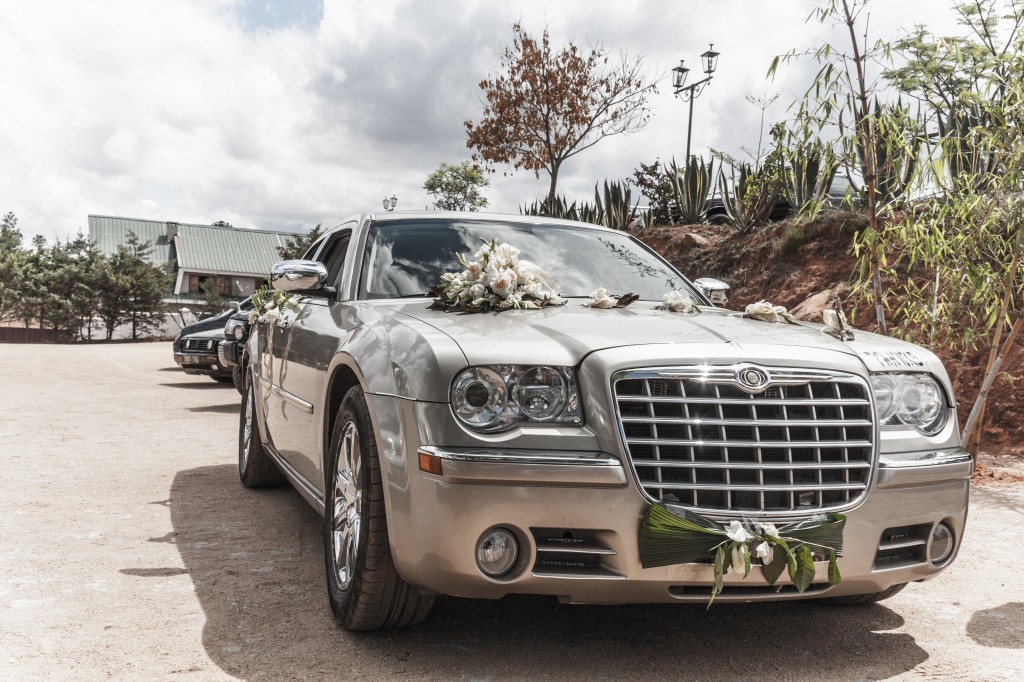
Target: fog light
[[497, 551], [942, 544]]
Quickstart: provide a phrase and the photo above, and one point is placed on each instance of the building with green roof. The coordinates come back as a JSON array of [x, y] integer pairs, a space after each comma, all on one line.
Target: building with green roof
[[237, 259]]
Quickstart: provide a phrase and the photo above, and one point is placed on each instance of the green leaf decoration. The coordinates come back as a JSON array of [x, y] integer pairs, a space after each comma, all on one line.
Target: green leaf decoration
[[827, 532], [671, 535], [720, 559], [833, 570], [803, 576], [773, 570]]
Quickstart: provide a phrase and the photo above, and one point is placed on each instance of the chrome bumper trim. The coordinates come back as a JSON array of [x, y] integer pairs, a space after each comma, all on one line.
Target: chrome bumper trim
[[529, 467], [921, 468]]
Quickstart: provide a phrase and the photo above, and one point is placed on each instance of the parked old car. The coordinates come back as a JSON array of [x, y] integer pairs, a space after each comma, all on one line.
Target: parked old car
[[196, 347], [231, 350], [484, 454]]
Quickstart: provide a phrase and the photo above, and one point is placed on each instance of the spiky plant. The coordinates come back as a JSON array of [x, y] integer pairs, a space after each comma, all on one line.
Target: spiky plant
[[691, 188], [749, 195], [807, 172]]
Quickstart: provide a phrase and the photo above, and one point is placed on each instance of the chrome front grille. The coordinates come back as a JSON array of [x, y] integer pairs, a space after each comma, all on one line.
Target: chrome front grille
[[747, 438]]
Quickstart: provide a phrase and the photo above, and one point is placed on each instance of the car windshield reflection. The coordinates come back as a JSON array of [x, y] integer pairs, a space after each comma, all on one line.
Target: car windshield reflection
[[406, 258]]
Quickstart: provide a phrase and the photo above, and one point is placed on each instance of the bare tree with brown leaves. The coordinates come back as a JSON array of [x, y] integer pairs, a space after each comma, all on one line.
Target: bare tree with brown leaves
[[548, 106]]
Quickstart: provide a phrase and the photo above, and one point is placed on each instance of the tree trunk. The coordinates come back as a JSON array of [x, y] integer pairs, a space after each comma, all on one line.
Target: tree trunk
[[554, 181], [973, 420]]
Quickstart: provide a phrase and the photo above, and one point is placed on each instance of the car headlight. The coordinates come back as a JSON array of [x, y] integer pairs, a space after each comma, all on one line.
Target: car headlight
[[914, 399], [234, 330], [498, 397]]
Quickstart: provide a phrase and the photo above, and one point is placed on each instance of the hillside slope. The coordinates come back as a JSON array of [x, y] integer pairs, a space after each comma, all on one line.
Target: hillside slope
[[792, 261]]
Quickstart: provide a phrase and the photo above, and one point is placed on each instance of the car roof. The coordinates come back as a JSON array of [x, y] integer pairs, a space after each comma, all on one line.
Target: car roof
[[475, 216]]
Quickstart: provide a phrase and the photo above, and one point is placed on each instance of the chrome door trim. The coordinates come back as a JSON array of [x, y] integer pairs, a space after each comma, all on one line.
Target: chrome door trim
[[290, 397]]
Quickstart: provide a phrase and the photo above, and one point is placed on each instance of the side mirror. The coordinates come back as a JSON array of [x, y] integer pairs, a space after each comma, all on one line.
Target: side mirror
[[233, 305], [298, 275], [716, 290]]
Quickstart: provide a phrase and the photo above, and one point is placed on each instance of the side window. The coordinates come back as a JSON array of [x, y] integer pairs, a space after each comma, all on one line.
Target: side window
[[313, 248], [333, 256]]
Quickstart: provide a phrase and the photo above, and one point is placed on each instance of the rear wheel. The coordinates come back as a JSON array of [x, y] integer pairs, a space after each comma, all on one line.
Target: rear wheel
[[255, 468], [364, 588]]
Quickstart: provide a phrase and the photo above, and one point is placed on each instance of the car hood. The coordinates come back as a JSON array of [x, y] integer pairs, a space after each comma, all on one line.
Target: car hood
[[199, 328], [564, 335], [210, 333]]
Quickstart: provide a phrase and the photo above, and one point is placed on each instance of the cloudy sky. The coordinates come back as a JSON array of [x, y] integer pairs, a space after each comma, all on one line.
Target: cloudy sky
[[280, 114]]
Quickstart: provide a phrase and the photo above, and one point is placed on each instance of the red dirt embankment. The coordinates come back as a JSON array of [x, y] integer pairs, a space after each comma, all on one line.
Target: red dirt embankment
[[790, 261]]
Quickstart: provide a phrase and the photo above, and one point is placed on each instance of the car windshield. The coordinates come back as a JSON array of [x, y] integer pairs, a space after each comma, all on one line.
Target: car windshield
[[406, 258]]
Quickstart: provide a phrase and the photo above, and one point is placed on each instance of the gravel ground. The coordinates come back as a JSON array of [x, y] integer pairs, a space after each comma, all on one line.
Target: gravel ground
[[128, 550]]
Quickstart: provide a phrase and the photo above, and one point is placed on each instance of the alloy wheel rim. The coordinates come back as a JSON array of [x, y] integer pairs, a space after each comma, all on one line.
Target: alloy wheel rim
[[347, 512], [247, 427]]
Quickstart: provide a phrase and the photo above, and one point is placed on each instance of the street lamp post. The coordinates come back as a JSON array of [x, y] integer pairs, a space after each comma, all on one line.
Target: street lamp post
[[709, 61], [389, 204]]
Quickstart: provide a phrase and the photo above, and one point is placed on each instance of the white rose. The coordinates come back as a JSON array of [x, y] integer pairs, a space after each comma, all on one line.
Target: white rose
[[490, 274], [738, 564], [474, 270], [678, 303], [765, 552], [738, 533], [601, 298], [505, 283], [768, 529], [483, 253], [506, 255], [476, 291], [765, 311]]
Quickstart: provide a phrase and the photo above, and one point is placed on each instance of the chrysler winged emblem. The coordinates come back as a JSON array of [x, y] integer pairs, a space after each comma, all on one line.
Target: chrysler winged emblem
[[752, 379]]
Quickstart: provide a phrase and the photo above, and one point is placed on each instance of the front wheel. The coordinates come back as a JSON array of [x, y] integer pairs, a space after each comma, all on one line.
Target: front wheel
[[255, 468], [363, 586]]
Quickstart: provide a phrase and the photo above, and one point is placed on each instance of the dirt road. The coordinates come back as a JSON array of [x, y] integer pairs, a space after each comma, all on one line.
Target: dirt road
[[128, 550]]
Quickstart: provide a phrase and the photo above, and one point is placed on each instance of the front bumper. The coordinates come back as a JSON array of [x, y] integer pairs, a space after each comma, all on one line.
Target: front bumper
[[229, 353], [204, 363], [576, 516]]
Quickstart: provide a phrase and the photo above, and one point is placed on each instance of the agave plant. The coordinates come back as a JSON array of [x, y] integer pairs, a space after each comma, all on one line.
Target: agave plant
[[808, 170], [691, 187], [897, 150], [613, 205], [966, 159], [749, 195]]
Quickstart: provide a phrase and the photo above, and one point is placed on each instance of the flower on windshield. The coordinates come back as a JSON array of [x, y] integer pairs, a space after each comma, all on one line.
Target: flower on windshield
[[495, 280], [679, 303]]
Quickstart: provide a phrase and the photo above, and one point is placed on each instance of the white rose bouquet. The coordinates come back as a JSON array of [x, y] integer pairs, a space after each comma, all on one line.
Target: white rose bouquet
[[496, 279]]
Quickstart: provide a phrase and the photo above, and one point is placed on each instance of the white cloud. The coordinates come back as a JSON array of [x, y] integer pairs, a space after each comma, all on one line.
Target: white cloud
[[270, 116]]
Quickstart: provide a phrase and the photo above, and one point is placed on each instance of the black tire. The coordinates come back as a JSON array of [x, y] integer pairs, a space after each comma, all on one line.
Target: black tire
[[238, 378], [862, 599], [221, 378], [366, 593], [255, 467]]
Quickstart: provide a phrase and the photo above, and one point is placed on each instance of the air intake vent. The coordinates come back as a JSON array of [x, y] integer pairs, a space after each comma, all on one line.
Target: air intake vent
[[571, 553], [903, 547]]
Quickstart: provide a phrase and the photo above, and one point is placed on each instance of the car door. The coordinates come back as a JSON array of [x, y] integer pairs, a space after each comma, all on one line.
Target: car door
[[309, 338]]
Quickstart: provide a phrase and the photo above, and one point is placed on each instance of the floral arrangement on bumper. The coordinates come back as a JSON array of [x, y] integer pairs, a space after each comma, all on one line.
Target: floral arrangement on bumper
[[674, 535], [496, 279]]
